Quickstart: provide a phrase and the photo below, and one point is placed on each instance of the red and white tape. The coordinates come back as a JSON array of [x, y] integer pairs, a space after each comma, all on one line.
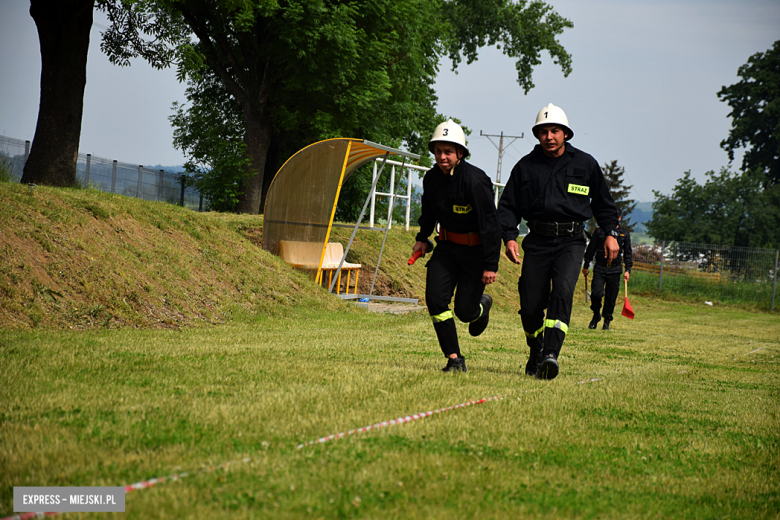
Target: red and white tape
[[400, 420], [153, 482]]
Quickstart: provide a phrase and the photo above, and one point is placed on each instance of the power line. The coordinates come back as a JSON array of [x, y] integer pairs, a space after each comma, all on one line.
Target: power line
[[501, 148]]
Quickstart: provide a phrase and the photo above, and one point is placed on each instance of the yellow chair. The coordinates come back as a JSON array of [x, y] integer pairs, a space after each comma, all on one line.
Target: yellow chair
[[306, 255], [333, 255]]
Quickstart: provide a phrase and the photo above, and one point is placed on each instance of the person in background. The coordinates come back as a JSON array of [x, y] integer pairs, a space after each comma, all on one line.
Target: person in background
[[458, 196], [555, 188], [606, 275]]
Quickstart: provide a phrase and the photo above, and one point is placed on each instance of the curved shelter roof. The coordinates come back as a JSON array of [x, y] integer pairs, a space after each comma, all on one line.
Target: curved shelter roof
[[301, 201]]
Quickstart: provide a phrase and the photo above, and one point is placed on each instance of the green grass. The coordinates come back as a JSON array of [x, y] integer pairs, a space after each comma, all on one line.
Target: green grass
[[5, 170], [682, 421]]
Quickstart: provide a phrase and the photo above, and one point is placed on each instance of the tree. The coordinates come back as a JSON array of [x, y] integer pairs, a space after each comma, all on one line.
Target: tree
[[613, 174], [755, 113], [209, 132], [63, 32], [731, 209], [304, 70]]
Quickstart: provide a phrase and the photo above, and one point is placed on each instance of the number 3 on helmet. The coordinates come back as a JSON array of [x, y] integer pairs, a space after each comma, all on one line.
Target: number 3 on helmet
[[449, 132]]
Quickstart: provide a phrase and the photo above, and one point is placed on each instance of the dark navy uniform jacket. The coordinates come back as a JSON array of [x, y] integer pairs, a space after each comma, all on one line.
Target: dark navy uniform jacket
[[569, 188], [462, 203], [596, 246]]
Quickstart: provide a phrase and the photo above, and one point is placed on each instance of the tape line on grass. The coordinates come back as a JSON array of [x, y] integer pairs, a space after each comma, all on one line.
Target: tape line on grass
[[400, 420], [410, 418]]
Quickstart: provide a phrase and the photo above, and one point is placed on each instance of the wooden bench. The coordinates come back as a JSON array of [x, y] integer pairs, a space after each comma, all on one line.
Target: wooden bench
[[306, 255]]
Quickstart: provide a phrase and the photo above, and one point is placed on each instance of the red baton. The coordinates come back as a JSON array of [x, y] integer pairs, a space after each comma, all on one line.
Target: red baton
[[415, 256]]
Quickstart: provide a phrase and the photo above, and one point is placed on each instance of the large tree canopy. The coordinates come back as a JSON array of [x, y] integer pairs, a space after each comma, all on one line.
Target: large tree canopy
[[303, 70], [730, 209], [755, 113], [210, 133]]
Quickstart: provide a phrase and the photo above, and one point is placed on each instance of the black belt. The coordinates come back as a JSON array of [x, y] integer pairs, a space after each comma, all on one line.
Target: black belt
[[556, 229]]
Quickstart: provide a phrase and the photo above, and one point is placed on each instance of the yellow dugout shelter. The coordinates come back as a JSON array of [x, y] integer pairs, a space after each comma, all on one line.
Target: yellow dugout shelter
[[301, 203]]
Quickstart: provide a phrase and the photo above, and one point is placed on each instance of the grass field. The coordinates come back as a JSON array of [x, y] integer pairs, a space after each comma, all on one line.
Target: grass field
[[674, 414], [678, 418]]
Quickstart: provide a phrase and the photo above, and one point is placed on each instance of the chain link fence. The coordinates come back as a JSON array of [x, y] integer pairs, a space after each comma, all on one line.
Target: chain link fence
[[109, 176], [713, 272], [13, 155]]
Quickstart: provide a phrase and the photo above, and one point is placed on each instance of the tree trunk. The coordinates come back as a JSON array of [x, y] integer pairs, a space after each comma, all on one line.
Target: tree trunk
[[257, 137], [63, 32]]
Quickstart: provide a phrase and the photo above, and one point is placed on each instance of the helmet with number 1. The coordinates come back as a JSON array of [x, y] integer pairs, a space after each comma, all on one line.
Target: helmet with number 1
[[449, 132], [552, 115]]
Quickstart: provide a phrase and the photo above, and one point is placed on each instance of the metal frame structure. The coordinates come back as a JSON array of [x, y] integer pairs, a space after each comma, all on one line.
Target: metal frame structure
[[391, 194]]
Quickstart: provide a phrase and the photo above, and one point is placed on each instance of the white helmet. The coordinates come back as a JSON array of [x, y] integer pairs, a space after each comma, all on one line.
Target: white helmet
[[552, 115], [449, 132]]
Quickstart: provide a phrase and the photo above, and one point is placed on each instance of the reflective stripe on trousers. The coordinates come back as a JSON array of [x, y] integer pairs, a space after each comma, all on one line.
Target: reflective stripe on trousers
[[556, 324], [552, 324], [444, 316]]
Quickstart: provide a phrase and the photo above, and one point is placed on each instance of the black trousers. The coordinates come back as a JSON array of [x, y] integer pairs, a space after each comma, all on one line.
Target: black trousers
[[605, 285], [551, 266], [453, 265]]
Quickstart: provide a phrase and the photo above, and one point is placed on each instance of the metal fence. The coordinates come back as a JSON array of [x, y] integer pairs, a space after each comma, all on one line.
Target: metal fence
[[726, 272], [392, 195], [110, 176]]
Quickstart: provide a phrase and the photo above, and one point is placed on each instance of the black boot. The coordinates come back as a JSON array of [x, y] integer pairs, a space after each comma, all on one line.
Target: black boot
[[534, 360], [457, 364], [595, 320], [549, 367], [606, 324], [479, 325]]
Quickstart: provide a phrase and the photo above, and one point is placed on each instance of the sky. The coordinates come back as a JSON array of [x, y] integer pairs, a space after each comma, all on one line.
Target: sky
[[643, 90]]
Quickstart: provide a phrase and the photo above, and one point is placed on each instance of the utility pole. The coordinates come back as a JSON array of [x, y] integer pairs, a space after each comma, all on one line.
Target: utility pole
[[501, 149]]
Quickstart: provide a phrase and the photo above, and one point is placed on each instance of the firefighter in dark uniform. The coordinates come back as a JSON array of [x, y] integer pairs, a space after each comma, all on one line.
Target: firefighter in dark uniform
[[458, 196], [606, 275], [555, 188]]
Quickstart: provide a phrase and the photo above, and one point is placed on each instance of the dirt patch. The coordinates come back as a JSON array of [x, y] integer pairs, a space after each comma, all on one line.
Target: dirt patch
[[254, 235]]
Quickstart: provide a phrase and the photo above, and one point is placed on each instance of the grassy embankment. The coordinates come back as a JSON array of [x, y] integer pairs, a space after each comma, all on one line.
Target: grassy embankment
[[671, 415]]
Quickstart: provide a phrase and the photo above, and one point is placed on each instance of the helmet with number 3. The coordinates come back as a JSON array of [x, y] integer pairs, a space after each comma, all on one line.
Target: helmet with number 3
[[449, 132], [552, 115]]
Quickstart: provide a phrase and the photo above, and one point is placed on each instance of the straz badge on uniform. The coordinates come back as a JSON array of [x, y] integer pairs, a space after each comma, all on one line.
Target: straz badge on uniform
[[578, 190], [462, 209]]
